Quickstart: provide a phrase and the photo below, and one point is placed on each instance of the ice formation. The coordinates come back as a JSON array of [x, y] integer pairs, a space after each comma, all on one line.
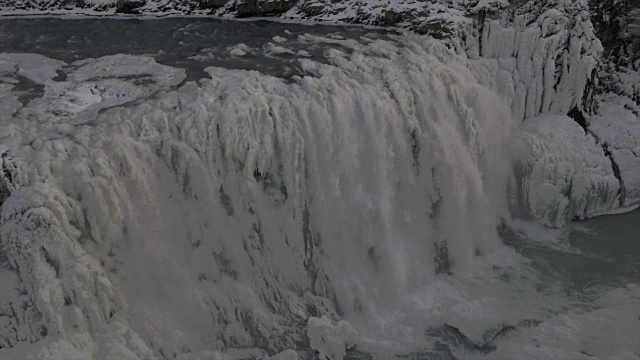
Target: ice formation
[[542, 59], [565, 172], [577, 334], [330, 340], [617, 125], [112, 219]]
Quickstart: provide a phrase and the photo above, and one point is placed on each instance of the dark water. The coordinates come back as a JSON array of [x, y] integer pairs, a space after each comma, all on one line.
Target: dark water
[[602, 251], [172, 41]]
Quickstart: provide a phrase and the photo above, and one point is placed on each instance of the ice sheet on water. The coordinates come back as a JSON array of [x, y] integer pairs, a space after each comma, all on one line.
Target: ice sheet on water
[[137, 68], [36, 67], [609, 330]]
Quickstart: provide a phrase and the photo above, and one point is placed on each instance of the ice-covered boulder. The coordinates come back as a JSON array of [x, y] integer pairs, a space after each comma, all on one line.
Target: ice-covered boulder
[[565, 172], [330, 339], [285, 355]]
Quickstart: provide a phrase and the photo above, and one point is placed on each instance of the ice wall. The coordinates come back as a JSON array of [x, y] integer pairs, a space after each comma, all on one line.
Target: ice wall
[[565, 173], [543, 56], [143, 217]]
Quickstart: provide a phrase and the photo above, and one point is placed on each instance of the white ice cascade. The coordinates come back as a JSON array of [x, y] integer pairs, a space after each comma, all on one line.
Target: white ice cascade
[[226, 213], [541, 57]]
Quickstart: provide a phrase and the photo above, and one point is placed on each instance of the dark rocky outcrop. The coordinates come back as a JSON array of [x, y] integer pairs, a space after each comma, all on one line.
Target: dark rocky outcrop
[[256, 8], [129, 6], [209, 4]]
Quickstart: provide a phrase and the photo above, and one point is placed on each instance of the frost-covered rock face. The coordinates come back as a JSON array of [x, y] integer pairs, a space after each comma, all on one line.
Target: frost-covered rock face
[[617, 120], [144, 217]]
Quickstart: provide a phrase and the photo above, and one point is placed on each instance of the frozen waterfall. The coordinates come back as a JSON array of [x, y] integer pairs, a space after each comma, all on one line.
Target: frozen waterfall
[[143, 215]]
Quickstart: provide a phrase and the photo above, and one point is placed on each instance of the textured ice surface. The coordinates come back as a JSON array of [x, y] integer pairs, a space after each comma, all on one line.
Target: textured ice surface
[[285, 355], [565, 173], [579, 334], [225, 213], [542, 61], [618, 126], [35, 67], [474, 318], [330, 340]]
